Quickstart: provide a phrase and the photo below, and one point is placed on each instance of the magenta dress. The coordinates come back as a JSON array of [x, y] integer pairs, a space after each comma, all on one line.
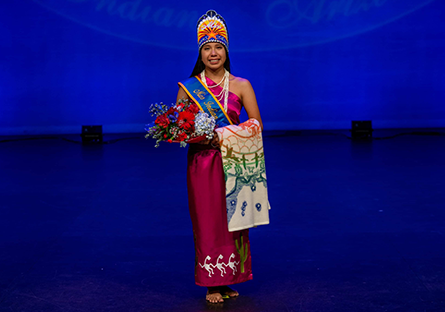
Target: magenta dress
[[222, 257]]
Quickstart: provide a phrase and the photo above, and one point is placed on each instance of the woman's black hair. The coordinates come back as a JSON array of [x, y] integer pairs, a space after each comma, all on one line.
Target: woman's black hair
[[199, 66]]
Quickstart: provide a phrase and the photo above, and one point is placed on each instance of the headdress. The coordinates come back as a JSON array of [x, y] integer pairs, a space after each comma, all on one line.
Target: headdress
[[212, 27]]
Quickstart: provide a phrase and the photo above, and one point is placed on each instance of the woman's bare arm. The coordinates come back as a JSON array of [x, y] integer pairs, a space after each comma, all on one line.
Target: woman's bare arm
[[249, 100], [181, 94]]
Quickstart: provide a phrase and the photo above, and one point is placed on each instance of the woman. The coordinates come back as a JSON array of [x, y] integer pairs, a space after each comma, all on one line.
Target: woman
[[222, 257]]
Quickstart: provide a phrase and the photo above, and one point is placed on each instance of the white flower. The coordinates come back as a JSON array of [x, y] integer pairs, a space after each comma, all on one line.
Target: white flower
[[204, 125]]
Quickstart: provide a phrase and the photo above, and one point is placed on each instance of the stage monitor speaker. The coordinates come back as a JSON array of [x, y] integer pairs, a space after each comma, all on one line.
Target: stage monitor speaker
[[92, 135], [361, 130]]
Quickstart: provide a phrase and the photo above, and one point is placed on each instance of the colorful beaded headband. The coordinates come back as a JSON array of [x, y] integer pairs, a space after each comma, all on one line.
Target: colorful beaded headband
[[212, 28]]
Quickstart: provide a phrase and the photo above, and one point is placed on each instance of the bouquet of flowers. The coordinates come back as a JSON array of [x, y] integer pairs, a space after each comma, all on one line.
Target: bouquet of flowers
[[182, 122]]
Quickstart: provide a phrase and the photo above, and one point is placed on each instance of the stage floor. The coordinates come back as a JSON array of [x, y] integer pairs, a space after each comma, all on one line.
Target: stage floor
[[355, 226]]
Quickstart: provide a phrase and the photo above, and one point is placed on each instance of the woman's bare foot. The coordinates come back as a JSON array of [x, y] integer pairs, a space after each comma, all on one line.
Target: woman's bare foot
[[214, 295], [226, 290]]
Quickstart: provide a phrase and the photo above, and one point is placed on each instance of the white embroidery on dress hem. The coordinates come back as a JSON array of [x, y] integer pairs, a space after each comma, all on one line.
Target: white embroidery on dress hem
[[207, 266], [232, 264], [221, 266]]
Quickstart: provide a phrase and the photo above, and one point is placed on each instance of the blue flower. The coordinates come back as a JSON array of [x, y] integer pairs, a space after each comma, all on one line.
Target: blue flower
[[173, 117]]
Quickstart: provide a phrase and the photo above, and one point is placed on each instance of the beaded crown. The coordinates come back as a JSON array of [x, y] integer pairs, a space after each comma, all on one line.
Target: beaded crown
[[212, 27]]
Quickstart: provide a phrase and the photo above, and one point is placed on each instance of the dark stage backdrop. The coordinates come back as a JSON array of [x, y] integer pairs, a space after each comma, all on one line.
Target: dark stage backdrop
[[314, 64]]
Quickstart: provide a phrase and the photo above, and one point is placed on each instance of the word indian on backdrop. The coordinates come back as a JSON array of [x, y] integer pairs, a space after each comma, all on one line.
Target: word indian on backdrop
[[138, 11]]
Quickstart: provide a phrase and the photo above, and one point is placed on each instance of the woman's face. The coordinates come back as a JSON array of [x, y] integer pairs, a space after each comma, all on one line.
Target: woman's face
[[213, 55]]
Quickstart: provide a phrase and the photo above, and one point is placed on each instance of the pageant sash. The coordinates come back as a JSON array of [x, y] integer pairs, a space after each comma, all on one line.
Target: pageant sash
[[245, 174], [205, 100]]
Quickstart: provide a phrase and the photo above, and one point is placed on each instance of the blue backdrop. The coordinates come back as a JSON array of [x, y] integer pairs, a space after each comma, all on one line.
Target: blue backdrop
[[314, 64]]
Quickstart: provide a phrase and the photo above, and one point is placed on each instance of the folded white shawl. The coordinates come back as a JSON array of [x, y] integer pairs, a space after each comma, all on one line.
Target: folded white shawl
[[245, 174]]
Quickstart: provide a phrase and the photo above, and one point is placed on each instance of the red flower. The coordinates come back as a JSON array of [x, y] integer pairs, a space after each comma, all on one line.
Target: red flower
[[193, 108], [169, 140], [163, 121], [186, 121], [180, 106], [170, 111], [181, 136]]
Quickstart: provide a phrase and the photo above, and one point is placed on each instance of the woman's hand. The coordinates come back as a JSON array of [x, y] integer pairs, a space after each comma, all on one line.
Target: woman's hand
[[215, 141]]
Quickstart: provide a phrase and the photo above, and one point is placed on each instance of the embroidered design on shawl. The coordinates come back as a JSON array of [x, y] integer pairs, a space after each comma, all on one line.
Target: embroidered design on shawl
[[245, 175], [221, 266]]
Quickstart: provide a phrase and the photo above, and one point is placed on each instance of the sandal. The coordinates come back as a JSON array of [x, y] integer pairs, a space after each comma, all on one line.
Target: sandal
[[229, 292]]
